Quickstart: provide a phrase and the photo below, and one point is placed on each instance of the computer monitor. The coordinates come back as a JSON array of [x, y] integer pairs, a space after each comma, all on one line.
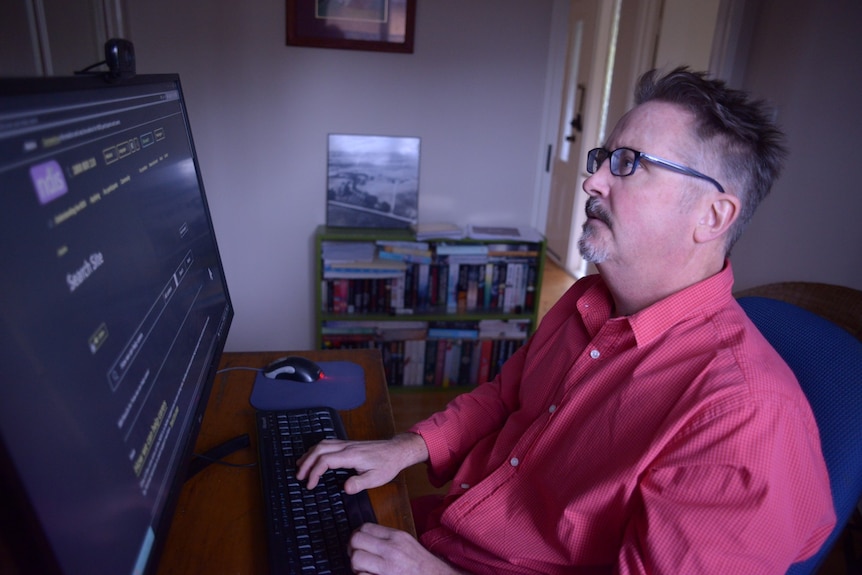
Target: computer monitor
[[113, 316]]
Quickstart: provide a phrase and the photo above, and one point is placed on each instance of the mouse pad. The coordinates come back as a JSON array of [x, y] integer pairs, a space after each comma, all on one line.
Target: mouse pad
[[342, 387]]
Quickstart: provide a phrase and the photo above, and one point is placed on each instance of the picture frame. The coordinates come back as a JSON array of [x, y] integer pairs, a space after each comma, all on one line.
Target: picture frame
[[372, 181], [376, 25]]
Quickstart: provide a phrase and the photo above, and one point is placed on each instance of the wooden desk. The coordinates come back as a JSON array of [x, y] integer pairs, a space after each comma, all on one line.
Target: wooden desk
[[218, 526]]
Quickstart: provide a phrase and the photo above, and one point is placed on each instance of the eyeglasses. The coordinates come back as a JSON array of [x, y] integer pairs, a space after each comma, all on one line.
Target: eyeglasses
[[624, 162]]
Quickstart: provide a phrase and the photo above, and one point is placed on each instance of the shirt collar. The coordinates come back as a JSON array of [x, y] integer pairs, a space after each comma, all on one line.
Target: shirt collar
[[656, 319]]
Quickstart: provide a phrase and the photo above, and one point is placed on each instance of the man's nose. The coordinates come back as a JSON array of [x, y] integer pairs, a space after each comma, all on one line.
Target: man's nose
[[598, 184]]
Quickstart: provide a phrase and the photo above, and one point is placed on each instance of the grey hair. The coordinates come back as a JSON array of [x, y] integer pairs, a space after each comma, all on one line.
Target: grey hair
[[749, 146]]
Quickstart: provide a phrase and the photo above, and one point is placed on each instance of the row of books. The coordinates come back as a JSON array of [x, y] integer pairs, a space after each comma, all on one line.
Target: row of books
[[414, 276], [385, 258], [436, 362], [389, 330], [434, 353]]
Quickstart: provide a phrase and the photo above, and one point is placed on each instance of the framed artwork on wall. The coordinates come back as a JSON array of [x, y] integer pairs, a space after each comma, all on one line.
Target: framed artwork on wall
[[377, 25], [372, 181]]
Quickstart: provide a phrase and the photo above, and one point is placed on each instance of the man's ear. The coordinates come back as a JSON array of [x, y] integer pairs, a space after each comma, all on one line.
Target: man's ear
[[717, 217]]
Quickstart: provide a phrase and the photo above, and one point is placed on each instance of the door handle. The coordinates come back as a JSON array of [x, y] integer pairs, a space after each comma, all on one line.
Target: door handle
[[577, 121]]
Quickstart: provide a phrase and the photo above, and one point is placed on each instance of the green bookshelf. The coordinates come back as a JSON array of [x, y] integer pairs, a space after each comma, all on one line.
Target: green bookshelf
[[444, 313]]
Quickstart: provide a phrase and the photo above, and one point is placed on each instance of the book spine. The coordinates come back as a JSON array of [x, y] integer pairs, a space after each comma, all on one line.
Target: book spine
[[430, 366], [485, 361], [440, 362], [423, 286], [452, 286]]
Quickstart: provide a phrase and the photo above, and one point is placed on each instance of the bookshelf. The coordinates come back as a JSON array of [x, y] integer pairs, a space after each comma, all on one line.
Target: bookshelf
[[443, 312]]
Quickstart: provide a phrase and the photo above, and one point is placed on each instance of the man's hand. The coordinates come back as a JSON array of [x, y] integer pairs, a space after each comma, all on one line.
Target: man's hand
[[378, 550], [375, 462]]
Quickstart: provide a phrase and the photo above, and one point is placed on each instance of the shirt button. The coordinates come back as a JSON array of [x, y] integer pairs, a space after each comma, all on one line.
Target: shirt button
[[465, 486], [514, 462], [552, 409], [595, 354]]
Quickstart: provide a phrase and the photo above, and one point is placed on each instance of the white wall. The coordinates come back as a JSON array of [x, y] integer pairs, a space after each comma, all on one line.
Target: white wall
[[473, 92], [805, 58], [685, 35]]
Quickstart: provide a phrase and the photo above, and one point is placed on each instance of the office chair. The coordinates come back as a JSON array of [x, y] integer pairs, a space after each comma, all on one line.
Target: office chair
[[827, 361], [839, 304]]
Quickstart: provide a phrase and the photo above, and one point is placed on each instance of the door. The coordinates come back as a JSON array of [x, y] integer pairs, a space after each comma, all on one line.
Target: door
[[581, 125], [57, 37]]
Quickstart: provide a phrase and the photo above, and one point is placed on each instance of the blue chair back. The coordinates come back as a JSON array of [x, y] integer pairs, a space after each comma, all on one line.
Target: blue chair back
[[827, 361]]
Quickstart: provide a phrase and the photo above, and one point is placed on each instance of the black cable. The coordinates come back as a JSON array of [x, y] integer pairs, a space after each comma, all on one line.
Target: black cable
[[216, 454], [90, 67]]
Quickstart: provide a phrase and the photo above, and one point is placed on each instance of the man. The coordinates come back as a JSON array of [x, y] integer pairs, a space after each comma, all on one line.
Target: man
[[646, 427]]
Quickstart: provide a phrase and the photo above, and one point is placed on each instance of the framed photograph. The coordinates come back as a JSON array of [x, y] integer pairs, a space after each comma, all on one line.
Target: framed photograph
[[372, 181], [378, 25]]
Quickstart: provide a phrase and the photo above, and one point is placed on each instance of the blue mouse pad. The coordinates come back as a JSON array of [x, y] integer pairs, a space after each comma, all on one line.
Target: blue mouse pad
[[341, 387]]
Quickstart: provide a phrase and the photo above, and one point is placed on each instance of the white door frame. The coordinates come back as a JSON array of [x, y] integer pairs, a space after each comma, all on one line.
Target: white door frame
[[108, 16], [732, 36], [594, 106]]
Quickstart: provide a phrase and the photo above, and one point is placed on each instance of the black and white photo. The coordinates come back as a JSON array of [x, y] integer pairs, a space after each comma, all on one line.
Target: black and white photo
[[372, 181]]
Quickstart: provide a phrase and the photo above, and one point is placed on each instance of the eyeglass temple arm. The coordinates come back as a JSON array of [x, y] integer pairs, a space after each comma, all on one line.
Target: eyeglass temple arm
[[683, 170]]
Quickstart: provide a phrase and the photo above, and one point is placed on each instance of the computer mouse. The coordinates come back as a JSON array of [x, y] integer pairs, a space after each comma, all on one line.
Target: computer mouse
[[293, 368]]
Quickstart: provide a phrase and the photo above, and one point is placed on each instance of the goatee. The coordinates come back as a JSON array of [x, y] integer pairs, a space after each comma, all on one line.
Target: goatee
[[588, 245]]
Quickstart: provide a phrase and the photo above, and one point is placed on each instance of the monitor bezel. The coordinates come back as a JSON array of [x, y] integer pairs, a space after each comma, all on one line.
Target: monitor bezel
[[24, 547]]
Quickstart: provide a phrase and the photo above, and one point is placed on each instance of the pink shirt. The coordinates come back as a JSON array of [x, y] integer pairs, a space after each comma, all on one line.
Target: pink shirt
[[674, 440]]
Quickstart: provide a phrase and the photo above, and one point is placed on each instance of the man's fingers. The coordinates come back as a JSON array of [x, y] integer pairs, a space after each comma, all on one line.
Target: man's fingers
[[376, 530], [376, 462], [366, 549], [318, 460]]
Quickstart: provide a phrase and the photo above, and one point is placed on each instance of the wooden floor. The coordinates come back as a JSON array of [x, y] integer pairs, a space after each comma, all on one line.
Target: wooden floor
[[411, 406]]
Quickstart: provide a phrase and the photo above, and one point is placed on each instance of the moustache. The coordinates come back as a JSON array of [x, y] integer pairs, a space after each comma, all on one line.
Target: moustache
[[597, 211]]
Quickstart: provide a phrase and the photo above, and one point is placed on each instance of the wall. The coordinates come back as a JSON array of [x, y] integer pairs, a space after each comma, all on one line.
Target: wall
[[474, 92], [685, 35], [260, 111], [804, 57]]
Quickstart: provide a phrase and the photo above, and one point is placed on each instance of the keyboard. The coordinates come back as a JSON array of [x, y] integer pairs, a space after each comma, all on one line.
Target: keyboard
[[307, 531]]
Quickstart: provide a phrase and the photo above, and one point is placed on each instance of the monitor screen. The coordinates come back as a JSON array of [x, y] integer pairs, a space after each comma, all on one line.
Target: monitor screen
[[113, 317]]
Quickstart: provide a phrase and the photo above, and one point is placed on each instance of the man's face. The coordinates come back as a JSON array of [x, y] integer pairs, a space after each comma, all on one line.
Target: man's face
[[647, 218]]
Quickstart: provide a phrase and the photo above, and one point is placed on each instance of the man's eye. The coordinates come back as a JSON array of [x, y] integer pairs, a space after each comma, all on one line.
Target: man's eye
[[627, 161]]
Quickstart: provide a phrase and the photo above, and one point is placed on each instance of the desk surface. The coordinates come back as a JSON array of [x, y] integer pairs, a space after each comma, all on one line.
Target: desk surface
[[218, 526]]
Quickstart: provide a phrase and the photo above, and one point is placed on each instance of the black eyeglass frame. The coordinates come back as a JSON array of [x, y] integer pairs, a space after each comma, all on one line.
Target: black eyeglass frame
[[594, 163]]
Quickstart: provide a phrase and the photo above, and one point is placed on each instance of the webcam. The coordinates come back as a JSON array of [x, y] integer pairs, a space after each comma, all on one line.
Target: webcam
[[120, 57]]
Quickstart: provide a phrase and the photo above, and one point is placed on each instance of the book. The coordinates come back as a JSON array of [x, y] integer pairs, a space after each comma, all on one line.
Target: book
[[504, 328], [444, 249], [453, 330], [376, 268], [414, 362], [438, 230], [338, 251], [513, 250], [526, 234]]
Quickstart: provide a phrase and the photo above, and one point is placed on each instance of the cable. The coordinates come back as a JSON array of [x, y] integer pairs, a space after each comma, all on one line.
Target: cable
[[225, 463], [90, 67], [223, 370], [216, 454]]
